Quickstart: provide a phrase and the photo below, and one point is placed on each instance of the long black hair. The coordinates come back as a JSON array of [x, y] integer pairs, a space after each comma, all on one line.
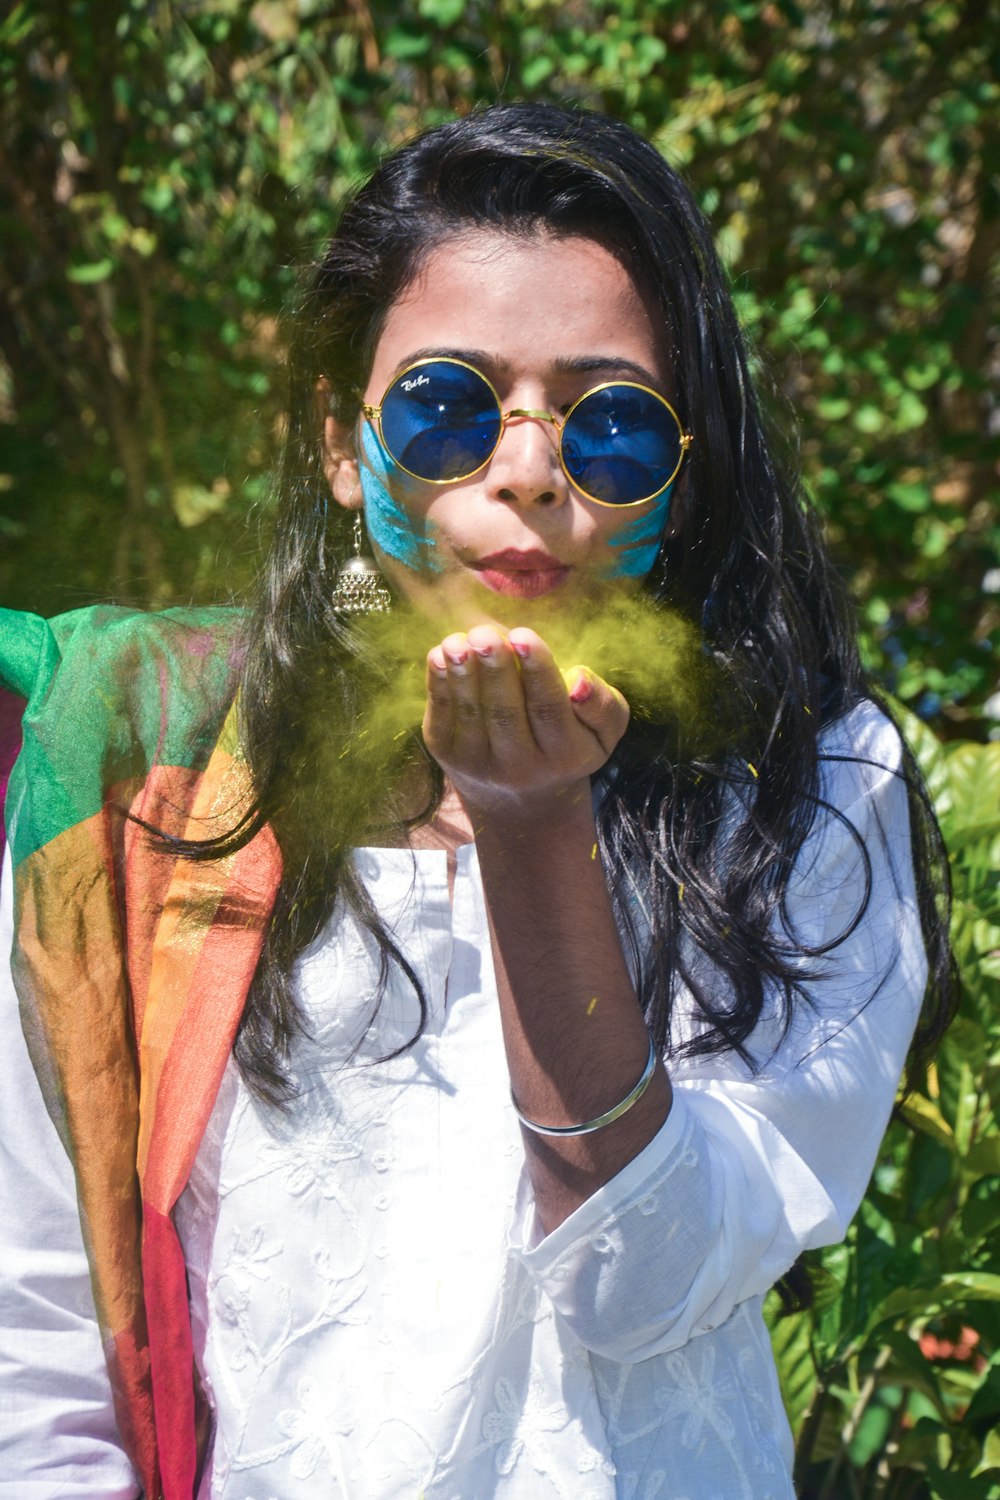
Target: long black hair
[[748, 566]]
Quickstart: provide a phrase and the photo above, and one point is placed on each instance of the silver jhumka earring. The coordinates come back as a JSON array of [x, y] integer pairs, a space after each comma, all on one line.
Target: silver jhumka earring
[[360, 588]]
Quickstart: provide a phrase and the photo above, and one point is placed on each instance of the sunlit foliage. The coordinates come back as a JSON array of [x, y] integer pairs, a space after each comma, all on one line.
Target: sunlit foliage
[[166, 165]]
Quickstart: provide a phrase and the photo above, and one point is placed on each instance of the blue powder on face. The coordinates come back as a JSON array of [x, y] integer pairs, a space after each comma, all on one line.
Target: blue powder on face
[[392, 528], [402, 536], [638, 542]]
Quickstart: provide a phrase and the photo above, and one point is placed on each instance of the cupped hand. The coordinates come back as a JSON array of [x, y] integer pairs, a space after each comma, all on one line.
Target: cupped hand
[[507, 727]]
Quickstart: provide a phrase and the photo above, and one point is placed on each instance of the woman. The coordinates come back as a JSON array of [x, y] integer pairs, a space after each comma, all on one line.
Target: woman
[[562, 1031]]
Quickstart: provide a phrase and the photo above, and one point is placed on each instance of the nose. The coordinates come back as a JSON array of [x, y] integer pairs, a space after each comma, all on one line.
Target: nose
[[525, 467]]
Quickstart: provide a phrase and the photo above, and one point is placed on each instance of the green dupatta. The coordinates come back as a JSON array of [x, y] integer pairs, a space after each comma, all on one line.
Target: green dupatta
[[132, 966]]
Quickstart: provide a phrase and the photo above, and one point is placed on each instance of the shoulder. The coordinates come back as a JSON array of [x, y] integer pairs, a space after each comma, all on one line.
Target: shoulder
[[105, 658], [857, 754], [860, 823], [861, 757], [864, 732], [110, 639], [122, 640], [110, 693]]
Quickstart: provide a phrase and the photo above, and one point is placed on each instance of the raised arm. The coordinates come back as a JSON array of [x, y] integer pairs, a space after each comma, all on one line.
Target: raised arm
[[519, 747], [751, 1167]]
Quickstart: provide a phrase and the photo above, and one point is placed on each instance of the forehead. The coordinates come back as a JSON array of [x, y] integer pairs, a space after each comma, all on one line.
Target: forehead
[[525, 304]]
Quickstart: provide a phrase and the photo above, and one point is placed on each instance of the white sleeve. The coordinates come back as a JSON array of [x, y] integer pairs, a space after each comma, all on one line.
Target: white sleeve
[[751, 1168], [58, 1438]]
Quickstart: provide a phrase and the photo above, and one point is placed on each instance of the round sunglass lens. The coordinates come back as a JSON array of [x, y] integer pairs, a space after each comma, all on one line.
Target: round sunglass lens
[[440, 420], [621, 444]]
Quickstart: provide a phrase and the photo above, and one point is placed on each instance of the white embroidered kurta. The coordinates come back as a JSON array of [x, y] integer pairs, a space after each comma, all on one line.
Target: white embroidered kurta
[[375, 1311]]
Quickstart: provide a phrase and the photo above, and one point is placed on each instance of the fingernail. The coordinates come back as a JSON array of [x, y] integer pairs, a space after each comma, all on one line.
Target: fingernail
[[582, 687], [483, 651], [458, 661], [522, 648]]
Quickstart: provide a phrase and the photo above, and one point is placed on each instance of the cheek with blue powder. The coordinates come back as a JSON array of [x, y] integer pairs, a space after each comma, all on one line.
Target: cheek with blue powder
[[636, 544], [397, 532]]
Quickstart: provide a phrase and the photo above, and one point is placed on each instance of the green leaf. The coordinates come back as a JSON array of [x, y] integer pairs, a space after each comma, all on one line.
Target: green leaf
[[142, 242], [981, 1213], [924, 1115], [94, 271], [872, 1431], [974, 774], [985, 1404], [114, 226], [947, 1486], [983, 1159], [911, 411], [921, 377], [194, 503], [404, 44], [792, 1344], [959, 1093], [535, 71], [869, 418], [17, 26], [910, 1365], [991, 1452], [442, 12], [910, 497], [951, 1291]]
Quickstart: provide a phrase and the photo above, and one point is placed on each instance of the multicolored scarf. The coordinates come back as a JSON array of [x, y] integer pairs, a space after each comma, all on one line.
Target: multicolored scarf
[[132, 965]]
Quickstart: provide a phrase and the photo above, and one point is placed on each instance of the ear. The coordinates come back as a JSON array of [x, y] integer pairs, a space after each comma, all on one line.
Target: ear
[[340, 461]]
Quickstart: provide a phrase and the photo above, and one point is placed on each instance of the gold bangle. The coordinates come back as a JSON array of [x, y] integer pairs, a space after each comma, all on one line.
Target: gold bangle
[[608, 1118]]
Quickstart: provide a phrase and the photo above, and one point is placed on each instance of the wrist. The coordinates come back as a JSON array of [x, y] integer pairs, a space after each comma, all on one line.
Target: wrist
[[520, 811]]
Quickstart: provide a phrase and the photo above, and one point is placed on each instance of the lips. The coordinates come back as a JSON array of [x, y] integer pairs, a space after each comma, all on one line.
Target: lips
[[523, 574]]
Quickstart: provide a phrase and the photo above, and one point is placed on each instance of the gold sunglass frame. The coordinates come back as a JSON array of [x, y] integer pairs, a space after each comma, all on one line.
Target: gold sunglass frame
[[373, 414]]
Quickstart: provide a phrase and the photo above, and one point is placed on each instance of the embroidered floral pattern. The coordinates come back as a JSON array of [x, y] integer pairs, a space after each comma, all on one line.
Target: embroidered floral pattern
[[322, 1238], [519, 1421], [311, 1159], [697, 1395], [313, 1426]]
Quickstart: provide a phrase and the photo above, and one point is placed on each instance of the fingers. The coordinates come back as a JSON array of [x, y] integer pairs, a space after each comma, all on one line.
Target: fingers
[[545, 698], [598, 706], [548, 693], [439, 715], [475, 699], [497, 701]]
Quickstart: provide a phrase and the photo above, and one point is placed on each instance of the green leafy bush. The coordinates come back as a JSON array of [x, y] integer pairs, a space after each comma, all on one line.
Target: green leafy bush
[[892, 1379]]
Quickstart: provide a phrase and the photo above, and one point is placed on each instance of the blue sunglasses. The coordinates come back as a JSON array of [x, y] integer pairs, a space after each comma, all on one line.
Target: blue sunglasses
[[441, 420]]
